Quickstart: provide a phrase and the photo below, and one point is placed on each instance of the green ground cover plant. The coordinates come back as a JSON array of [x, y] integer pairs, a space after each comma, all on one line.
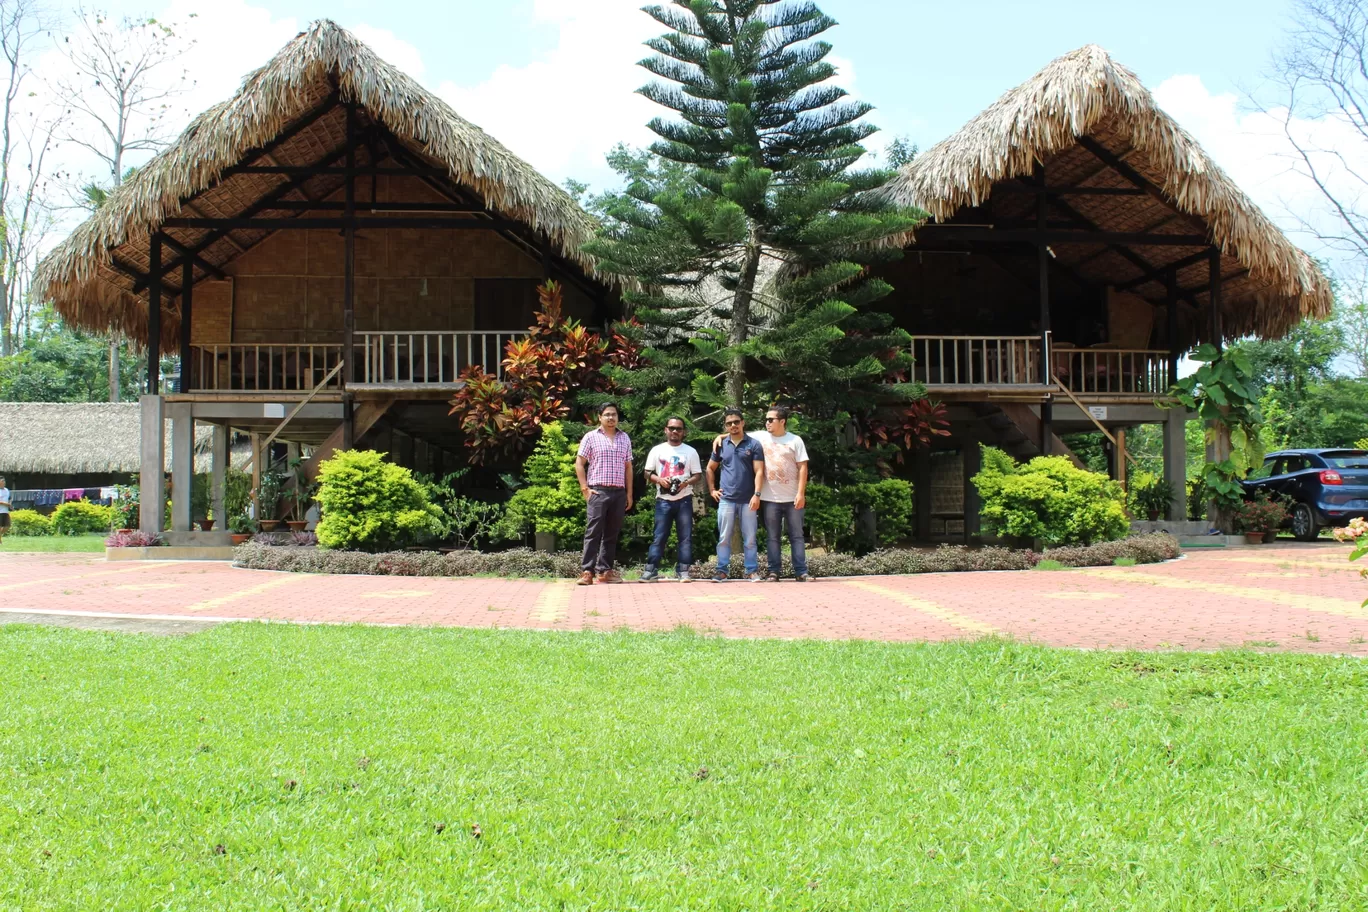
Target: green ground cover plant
[[311, 768], [1050, 499], [53, 544], [268, 554]]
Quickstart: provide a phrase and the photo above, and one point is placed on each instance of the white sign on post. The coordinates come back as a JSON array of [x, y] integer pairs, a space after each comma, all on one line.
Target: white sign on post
[[277, 410], [1099, 412]]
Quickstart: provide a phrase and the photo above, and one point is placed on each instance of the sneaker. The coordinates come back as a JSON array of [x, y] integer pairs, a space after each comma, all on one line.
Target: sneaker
[[650, 576], [586, 578], [755, 577], [683, 577], [610, 576], [772, 578], [720, 576], [801, 578]]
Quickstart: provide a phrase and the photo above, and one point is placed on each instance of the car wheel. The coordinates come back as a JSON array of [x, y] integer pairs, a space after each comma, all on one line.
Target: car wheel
[[1304, 523]]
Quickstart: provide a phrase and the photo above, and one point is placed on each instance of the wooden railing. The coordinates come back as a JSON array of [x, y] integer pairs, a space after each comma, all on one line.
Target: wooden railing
[[1110, 371], [378, 359], [262, 368], [976, 360], [428, 358]]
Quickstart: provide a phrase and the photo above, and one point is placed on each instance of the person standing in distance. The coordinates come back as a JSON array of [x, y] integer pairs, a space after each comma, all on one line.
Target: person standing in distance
[[604, 468], [742, 464], [672, 467], [784, 494], [4, 508]]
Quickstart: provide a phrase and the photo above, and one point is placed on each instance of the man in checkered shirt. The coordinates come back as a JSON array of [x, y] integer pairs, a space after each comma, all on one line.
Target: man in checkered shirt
[[604, 468]]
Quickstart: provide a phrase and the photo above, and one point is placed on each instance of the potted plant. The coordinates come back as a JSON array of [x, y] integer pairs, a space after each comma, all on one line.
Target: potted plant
[[300, 495], [1260, 517], [268, 500], [241, 527], [1153, 497]]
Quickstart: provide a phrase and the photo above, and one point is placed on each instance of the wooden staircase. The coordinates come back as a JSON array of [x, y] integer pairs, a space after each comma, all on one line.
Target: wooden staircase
[[1017, 430], [367, 413]]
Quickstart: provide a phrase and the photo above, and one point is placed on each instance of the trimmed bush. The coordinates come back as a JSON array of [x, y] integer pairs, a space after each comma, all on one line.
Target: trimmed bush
[[368, 504], [79, 517], [29, 523], [892, 503], [522, 562], [551, 502], [829, 518], [1051, 499]]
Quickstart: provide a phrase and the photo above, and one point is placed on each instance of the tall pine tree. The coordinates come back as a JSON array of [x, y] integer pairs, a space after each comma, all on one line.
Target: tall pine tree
[[749, 227]]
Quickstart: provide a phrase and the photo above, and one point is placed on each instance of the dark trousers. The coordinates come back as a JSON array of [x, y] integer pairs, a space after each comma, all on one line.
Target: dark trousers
[[605, 511], [678, 513]]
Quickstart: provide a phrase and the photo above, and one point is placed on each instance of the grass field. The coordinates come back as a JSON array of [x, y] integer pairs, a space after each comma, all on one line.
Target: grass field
[[17, 544], [284, 767]]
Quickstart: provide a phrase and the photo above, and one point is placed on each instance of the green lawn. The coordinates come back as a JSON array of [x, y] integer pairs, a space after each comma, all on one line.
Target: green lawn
[[282, 767], [16, 544]]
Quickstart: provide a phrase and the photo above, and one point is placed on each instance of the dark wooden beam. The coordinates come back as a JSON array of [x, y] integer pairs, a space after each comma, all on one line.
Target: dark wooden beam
[[127, 270], [1157, 274], [308, 119], [1056, 192], [1171, 319], [296, 170], [187, 300], [339, 205], [349, 280], [262, 205], [339, 223], [1043, 258], [1104, 155], [188, 255], [1214, 293], [154, 296], [993, 235]]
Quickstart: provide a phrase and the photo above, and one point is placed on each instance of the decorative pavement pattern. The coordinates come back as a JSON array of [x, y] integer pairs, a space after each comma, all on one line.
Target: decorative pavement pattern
[[1304, 598]]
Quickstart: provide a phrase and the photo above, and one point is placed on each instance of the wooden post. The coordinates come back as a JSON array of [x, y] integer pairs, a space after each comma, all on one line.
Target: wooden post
[[1214, 284], [921, 492], [1119, 472], [1175, 461], [256, 476], [219, 476], [154, 295], [973, 505], [187, 292], [1171, 314], [1046, 426], [1219, 450], [349, 280], [1043, 265]]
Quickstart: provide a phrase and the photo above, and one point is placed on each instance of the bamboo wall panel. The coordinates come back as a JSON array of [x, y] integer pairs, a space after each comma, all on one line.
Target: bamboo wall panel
[[212, 322]]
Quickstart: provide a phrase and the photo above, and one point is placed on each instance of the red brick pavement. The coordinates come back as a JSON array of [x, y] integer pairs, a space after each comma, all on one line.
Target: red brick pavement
[[1289, 597]]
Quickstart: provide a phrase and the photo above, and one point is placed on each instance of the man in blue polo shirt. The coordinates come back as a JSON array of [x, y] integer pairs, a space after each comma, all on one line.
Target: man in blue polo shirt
[[741, 460]]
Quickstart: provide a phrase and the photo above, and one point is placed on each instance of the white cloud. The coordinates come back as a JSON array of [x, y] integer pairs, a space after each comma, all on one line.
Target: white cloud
[[564, 111], [1252, 148]]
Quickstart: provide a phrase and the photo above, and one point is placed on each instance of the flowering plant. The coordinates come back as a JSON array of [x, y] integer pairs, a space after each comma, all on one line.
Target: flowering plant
[[1356, 534], [133, 539], [1262, 514]]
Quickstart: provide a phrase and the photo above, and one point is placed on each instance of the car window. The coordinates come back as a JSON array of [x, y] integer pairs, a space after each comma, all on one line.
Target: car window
[[1274, 466], [1268, 469], [1294, 464], [1346, 459]]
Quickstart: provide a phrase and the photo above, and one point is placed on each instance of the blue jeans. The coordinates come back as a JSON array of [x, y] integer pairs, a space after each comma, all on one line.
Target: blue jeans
[[727, 514], [680, 513], [792, 518]]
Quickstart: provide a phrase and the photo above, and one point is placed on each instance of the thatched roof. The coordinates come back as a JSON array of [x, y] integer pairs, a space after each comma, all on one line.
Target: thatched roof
[[62, 438], [93, 277], [1268, 284]]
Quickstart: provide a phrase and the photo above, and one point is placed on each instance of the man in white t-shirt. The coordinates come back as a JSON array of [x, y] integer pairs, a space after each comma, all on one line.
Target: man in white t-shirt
[[672, 467], [4, 507], [784, 493]]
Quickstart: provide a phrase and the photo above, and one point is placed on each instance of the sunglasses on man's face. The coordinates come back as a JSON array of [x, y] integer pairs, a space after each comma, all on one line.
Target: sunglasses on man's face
[[769, 418], [669, 427], [733, 421]]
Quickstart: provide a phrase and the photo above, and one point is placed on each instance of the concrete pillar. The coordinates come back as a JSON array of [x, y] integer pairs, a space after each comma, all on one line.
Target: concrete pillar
[[921, 492], [218, 469], [1175, 461], [182, 465], [403, 450], [973, 505], [152, 495], [421, 462], [291, 455]]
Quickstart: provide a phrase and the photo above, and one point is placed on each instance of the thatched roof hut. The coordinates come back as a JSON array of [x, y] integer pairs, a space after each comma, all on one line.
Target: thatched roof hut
[[291, 113], [85, 438], [1090, 123]]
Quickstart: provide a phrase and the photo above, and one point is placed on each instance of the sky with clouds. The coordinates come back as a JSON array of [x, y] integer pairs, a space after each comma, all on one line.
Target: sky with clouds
[[555, 80]]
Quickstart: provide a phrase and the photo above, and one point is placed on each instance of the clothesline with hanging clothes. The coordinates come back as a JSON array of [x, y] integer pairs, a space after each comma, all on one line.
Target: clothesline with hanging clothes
[[52, 497]]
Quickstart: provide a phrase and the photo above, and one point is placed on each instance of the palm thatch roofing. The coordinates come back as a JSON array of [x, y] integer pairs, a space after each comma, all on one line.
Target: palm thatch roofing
[[97, 277], [60, 438], [1059, 119]]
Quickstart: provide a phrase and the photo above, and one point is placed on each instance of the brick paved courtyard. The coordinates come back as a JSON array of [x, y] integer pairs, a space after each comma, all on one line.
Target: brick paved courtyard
[[1286, 596]]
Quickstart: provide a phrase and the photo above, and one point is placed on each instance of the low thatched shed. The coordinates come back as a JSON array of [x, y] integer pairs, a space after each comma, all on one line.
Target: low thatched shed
[[1086, 134], [70, 445]]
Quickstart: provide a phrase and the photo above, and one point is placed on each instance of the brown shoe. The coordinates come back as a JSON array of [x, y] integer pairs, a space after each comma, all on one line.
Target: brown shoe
[[586, 578], [610, 576]]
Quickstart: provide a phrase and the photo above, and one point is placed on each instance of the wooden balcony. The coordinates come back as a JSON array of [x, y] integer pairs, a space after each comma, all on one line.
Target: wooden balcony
[[385, 361], [1012, 365]]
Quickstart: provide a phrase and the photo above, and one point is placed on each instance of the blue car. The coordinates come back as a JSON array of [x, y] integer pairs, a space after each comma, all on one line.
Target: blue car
[[1326, 487]]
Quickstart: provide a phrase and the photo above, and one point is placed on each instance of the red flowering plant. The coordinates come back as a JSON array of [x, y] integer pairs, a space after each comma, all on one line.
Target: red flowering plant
[[905, 427], [543, 372]]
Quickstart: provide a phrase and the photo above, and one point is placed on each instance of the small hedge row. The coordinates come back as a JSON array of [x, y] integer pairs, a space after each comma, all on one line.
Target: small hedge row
[[75, 517], [521, 562]]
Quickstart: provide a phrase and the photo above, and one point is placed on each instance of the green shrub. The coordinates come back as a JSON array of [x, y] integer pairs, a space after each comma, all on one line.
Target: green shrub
[[829, 518], [369, 504], [521, 562], [1049, 498], [29, 523], [551, 502], [125, 509], [893, 505], [1149, 494], [78, 517]]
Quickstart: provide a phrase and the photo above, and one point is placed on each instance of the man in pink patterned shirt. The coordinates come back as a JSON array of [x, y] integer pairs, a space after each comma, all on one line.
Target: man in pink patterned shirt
[[604, 468]]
